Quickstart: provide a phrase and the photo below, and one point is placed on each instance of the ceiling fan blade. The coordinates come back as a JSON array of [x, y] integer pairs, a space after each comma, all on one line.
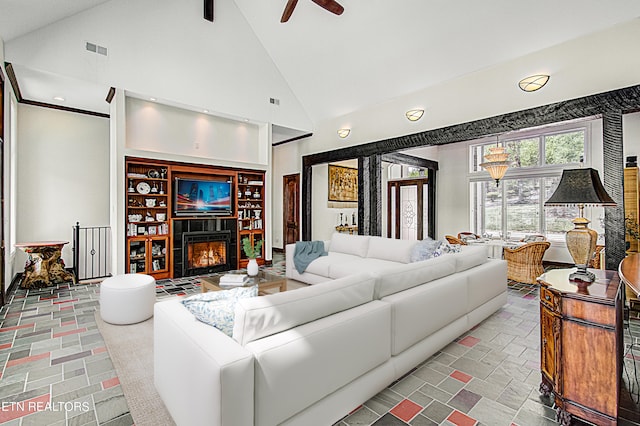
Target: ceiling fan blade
[[331, 5], [288, 10]]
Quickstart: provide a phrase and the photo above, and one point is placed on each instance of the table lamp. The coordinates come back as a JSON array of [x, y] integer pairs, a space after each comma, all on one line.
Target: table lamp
[[581, 187]]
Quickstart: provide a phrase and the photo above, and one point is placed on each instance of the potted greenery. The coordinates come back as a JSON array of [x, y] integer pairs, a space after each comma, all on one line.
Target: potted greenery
[[252, 252]]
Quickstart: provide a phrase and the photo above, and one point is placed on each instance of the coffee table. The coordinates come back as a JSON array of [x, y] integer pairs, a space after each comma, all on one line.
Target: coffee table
[[265, 281]]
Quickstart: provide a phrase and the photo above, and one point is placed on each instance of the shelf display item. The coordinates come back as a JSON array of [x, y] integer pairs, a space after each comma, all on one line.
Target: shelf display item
[[143, 188]]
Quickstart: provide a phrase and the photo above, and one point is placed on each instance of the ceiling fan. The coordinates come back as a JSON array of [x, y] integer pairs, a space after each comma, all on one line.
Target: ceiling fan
[[330, 5]]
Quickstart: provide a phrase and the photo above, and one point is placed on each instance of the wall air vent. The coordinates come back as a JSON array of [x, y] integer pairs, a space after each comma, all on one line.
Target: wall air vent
[[274, 101], [92, 47]]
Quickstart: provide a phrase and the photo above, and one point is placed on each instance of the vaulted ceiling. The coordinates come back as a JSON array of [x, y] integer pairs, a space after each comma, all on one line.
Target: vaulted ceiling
[[317, 66]]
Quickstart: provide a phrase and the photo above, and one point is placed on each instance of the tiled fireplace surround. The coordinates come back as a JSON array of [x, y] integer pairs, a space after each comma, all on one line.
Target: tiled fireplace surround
[[198, 228]]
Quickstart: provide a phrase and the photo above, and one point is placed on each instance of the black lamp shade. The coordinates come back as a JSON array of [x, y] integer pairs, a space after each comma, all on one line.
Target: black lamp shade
[[580, 186]]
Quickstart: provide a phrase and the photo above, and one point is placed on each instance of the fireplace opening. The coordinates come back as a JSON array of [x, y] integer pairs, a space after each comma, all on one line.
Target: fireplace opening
[[204, 255], [206, 252]]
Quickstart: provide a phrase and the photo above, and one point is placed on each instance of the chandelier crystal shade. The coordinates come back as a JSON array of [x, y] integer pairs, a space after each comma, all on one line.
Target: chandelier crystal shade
[[496, 162]]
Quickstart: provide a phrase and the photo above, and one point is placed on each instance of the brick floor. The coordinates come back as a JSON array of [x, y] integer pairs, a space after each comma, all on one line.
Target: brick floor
[[55, 369]]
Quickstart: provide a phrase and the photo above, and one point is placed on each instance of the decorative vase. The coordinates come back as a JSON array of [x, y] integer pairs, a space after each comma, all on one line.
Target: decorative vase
[[252, 268]]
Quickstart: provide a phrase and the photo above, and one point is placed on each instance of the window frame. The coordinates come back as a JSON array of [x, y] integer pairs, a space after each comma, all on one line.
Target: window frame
[[540, 172]]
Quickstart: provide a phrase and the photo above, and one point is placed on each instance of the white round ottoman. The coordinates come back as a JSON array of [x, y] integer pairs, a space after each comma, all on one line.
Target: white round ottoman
[[127, 299]]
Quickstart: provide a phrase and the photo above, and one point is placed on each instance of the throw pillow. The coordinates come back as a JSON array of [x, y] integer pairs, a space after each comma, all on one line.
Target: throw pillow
[[446, 248], [217, 308], [425, 249]]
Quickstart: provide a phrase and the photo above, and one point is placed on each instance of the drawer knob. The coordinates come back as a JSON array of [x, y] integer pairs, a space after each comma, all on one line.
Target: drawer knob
[[547, 297]]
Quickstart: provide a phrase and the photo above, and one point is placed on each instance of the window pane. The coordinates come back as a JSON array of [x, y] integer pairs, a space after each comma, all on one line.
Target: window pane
[[523, 207], [564, 148], [487, 199], [477, 157], [524, 152], [557, 219]]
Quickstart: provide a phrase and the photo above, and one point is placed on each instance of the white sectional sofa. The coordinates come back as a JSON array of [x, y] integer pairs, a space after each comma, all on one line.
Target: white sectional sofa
[[311, 355]]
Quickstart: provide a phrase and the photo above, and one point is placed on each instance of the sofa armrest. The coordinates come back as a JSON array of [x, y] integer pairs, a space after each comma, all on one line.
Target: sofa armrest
[[203, 376], [288, 253], [289, 250]]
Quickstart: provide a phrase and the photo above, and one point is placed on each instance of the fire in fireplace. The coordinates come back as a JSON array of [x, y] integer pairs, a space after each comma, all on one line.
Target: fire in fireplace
[[204, 255], [206, 252]]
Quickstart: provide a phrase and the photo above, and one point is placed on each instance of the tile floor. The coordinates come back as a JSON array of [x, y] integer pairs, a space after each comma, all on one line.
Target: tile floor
[[55, 369]]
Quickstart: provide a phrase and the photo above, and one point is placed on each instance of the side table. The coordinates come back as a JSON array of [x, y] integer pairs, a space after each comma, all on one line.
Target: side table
[[45, 266], [581, 345]]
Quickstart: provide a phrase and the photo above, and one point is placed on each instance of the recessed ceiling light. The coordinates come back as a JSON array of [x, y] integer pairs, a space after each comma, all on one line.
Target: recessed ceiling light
[[58, 98], [152, 99], [206, 111], [246, 120]]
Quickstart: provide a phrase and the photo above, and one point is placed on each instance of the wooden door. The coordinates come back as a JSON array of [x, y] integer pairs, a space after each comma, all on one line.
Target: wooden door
[[291, 208], [407, 205]]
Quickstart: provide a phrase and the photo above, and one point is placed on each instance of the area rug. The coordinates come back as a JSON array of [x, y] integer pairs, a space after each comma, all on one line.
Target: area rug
[[131, 350]]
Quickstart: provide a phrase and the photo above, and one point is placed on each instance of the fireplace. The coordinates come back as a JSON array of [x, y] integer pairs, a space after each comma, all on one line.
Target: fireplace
[[204, 246], [205, 252]]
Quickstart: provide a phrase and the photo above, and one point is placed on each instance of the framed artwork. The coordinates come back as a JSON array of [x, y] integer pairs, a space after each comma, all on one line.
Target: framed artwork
[[343, 184]]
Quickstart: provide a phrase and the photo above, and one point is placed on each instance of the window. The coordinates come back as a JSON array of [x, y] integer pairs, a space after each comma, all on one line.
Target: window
[[515, 207]]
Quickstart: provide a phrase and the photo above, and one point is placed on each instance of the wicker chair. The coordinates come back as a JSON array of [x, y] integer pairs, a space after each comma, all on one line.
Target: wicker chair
[[595, 260], [524, 264], [462, 235], [453, 240], [531, 238]]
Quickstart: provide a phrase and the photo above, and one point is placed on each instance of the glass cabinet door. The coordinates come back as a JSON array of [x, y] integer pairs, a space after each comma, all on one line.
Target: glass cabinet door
[[137, 256], [159, 248]]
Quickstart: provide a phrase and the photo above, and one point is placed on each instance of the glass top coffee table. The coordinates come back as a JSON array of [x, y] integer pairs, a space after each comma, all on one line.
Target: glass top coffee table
[[265, 281]]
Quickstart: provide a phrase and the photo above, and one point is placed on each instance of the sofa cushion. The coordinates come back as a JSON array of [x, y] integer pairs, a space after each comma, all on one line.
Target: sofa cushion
[[321, 265], [263, 316], [432, 306], [349, 244], [471, 256], [390, 249], [298, 367], [359, 264], [402, 277], [217, 308]]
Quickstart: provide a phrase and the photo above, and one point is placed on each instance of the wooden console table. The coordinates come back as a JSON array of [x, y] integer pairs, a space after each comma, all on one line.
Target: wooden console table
[[581, 345], [350, 229], [45, 266]]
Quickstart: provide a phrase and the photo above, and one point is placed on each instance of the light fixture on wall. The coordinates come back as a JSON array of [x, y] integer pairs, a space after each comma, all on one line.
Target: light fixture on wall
[[343, 133], [581, 187], [533, 82], [496, 162], [414, 114]]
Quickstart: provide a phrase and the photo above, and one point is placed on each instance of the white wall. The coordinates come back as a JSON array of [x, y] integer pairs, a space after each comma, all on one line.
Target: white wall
[[324, 219], [235, 77], [62, 175], [167, 130], [487, 93]]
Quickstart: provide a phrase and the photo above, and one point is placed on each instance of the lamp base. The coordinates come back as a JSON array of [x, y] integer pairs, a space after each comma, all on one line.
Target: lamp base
[[581, 243], [582, 275]]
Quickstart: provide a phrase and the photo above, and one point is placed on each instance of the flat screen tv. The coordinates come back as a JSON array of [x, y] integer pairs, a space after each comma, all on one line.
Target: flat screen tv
[[197, 197]]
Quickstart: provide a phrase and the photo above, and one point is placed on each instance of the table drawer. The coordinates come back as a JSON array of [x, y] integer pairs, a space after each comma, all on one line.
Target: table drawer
[[550, 299]]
